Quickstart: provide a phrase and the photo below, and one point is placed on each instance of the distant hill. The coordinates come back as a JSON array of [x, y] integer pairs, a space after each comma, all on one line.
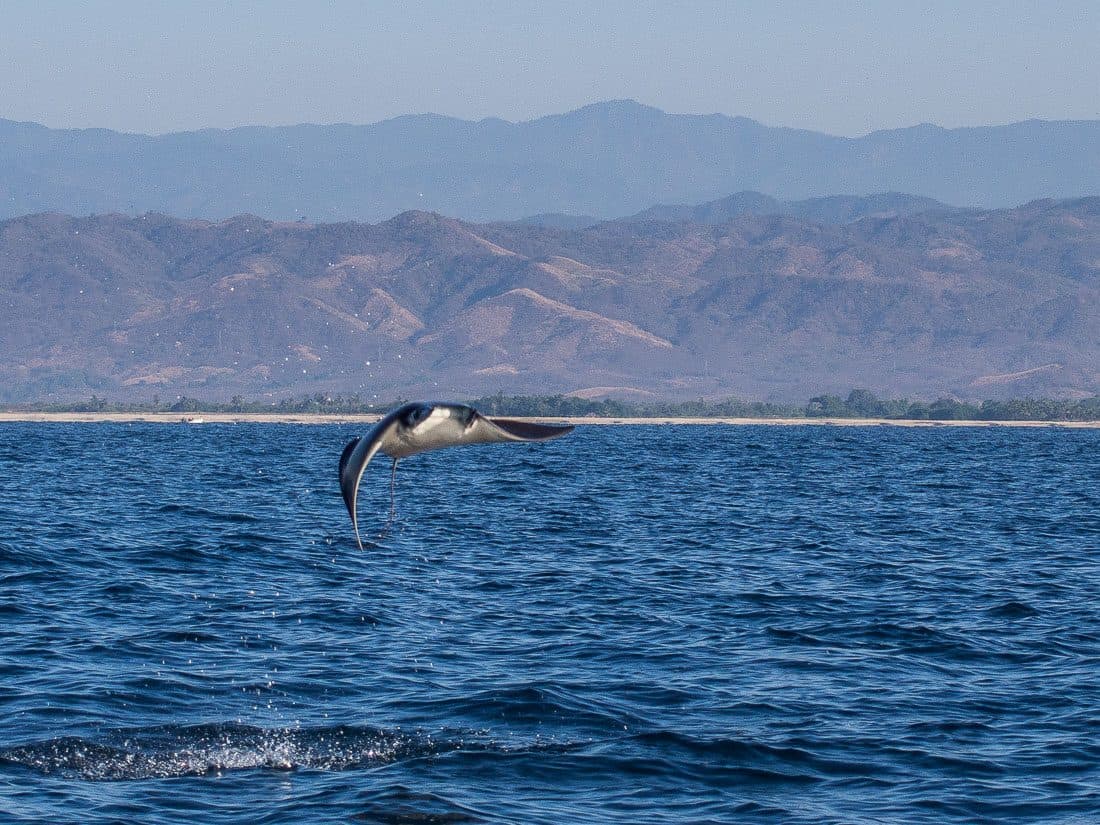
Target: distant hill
[[831, 209], [559, 220], [974, 303], [607, 160]]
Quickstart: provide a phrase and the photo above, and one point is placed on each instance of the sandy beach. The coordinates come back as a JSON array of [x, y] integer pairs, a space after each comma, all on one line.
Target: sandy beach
[[315, 418]]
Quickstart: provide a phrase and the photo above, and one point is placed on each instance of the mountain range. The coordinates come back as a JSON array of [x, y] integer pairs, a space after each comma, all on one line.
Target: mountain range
[[697, 303], [606, 160]]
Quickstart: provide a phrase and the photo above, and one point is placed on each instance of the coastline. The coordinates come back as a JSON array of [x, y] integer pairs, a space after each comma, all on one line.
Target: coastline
[[319, 418]]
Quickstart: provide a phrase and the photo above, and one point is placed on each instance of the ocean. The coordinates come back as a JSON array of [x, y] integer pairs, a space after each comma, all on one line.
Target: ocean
[[803, 624]]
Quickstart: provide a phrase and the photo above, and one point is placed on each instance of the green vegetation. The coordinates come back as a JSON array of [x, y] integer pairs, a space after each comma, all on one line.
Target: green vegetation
[[858, 404]]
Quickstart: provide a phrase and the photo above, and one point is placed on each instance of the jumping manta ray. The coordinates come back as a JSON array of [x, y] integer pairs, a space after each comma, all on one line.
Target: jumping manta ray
[[422, 426]]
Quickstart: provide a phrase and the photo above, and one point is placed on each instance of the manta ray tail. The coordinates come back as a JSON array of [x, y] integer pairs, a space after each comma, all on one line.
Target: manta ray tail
[[393, 502]]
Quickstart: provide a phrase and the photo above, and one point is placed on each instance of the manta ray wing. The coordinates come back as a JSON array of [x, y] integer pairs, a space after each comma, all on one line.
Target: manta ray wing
[[354, 460], [344, 456], [488, 430]]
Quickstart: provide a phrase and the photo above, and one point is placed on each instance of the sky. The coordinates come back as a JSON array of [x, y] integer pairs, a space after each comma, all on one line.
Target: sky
[[841, 67]]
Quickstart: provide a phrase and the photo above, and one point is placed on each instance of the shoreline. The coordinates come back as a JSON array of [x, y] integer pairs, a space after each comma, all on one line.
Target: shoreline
[[326, 418]]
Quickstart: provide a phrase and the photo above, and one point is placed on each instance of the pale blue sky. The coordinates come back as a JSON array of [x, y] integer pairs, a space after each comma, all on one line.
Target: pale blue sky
[[842, 67]]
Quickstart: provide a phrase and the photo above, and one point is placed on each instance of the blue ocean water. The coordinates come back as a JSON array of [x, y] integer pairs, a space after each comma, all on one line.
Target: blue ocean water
[[631, 624]]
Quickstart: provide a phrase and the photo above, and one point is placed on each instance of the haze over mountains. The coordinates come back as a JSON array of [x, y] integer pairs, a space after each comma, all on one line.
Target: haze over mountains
[[712, 302], [831, 209], [606, 160]]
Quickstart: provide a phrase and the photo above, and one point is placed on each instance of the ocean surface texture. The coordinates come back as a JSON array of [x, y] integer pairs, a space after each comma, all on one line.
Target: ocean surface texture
[[631, 624]]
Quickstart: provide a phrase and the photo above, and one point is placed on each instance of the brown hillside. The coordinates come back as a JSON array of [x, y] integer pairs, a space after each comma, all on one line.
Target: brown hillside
[[977, 303]]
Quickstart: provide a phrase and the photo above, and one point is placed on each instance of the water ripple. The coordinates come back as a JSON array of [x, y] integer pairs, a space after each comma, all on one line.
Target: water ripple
[[700, 624]]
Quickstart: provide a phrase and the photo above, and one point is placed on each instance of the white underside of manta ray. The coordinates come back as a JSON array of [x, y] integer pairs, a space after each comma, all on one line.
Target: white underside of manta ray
[[422, 426]]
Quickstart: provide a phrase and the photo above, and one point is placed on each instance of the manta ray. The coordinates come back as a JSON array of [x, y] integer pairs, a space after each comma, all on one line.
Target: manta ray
[[422, 426]]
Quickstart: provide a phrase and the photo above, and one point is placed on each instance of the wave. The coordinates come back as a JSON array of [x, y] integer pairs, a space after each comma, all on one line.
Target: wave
[[196, 750]]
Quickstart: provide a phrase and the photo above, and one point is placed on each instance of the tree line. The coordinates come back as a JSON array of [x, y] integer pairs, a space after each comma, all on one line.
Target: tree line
[[859, 403]]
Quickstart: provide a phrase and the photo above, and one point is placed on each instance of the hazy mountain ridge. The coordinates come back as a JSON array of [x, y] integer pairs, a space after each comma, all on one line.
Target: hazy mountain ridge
[[977, 303], [828, 209], [607, 160]]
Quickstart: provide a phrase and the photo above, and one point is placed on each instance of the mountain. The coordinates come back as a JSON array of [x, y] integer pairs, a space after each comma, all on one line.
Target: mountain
[[607, 160], [559, 220], [978, 303], [829, 209]]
